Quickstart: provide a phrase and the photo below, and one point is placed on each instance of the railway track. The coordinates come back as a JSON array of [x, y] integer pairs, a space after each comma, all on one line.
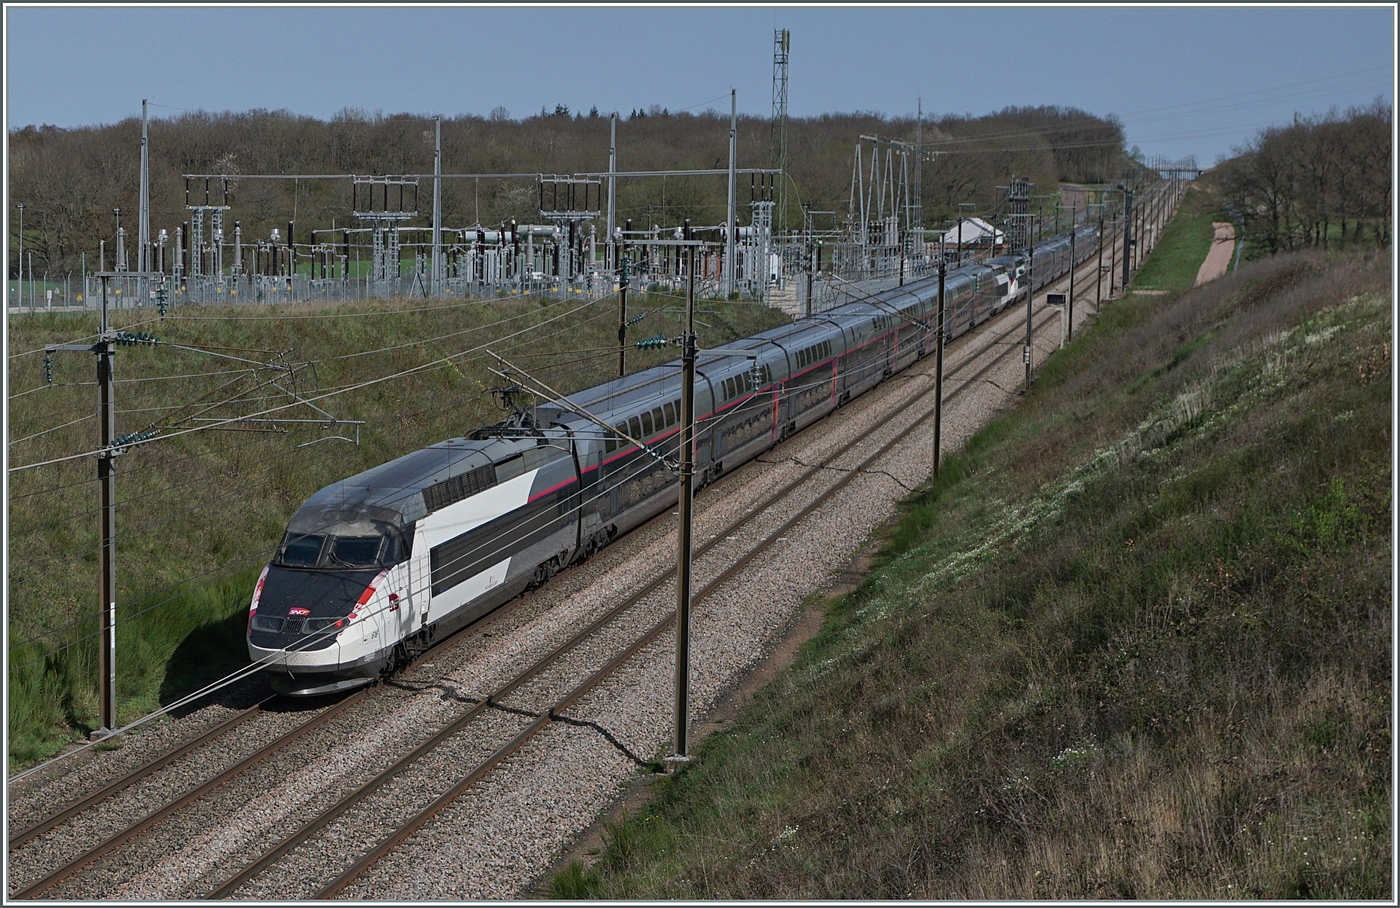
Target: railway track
[[496, 745], [564, 702], [298, 733]]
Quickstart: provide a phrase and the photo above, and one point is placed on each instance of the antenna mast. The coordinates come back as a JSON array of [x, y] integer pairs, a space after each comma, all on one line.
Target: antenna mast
[[778, 144]]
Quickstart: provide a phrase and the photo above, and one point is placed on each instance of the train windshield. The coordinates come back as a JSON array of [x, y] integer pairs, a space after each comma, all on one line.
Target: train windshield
[[300, 550], [357, 551]]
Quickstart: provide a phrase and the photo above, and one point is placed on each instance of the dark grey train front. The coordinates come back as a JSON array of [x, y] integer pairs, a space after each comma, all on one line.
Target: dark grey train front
[[373, 568]]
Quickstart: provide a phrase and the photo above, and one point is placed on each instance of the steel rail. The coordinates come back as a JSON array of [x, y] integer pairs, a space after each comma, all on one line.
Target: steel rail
[[111, 843], [134, 776], [310, 828], [420, 819]]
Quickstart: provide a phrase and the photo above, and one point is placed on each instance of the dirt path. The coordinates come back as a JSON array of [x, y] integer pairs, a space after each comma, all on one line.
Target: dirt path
[[1072, 195], [1218, 258]]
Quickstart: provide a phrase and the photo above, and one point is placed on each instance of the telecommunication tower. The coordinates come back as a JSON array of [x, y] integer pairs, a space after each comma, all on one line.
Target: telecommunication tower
[[778, 144]]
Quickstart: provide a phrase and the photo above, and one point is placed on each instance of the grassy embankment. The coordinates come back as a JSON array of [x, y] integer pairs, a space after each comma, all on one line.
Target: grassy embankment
[[1134, 643], [1175, 261], [197, 514]]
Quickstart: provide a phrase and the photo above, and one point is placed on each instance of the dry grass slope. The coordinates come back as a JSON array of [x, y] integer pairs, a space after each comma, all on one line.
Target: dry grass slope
[[1135, 643]]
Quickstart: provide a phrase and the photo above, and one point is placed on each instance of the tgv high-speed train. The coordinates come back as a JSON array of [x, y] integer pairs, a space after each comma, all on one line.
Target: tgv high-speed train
[[374, 568]]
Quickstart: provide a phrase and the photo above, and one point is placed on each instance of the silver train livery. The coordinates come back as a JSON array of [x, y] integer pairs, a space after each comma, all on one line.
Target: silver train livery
[[372, 570]]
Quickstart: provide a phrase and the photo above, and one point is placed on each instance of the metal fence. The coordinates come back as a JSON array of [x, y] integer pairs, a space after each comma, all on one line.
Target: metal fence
[[837, 269]]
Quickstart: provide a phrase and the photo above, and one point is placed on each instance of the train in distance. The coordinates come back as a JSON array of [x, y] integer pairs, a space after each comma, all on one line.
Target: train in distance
[[376, 568]]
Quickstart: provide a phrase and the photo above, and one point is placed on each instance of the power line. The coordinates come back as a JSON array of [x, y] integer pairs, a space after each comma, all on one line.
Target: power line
[[378, 312], [128, 535], [54, 429], [325, 394], [441, 337], [89, 481], [131, 533], [417, 343], [84, 339], [133, 498], [605, 489], [221, 683], [138, 532]]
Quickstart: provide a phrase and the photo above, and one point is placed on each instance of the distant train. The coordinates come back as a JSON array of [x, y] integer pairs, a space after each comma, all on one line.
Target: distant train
[[374, 568]]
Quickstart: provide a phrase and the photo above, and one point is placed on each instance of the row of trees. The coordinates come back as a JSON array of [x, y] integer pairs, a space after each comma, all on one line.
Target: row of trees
[[1322, 181], [70, 180]]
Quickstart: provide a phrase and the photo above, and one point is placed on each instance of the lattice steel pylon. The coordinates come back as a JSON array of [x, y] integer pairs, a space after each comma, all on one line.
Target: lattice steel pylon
[[216, 246], [372, 203], [1018, 198], [778, 144], [195, 241], [760, 272], [569, 210]]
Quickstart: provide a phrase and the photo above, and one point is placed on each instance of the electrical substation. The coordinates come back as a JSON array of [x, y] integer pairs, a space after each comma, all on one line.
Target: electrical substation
[[397, 245], [572, 243]]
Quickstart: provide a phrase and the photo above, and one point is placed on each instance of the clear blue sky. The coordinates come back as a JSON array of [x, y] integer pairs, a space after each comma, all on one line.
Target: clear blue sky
[[1185, 79]]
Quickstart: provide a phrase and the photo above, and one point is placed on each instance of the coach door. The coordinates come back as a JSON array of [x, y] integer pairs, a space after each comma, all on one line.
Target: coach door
[[419, 595]]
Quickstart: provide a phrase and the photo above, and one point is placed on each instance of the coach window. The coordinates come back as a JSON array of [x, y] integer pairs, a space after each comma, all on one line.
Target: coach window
[[646, 424], [634, 427], [657, 419], [670, 415]]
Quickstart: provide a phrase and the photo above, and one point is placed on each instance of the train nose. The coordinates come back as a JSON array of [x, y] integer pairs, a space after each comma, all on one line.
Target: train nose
[[291, 659]]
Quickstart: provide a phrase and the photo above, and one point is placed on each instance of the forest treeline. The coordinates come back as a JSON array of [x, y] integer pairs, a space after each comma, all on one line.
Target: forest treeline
[[1320, 181], [70, 180]]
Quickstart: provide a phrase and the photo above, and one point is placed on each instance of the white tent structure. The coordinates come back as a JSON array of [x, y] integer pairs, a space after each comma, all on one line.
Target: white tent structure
[[974, 232]]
